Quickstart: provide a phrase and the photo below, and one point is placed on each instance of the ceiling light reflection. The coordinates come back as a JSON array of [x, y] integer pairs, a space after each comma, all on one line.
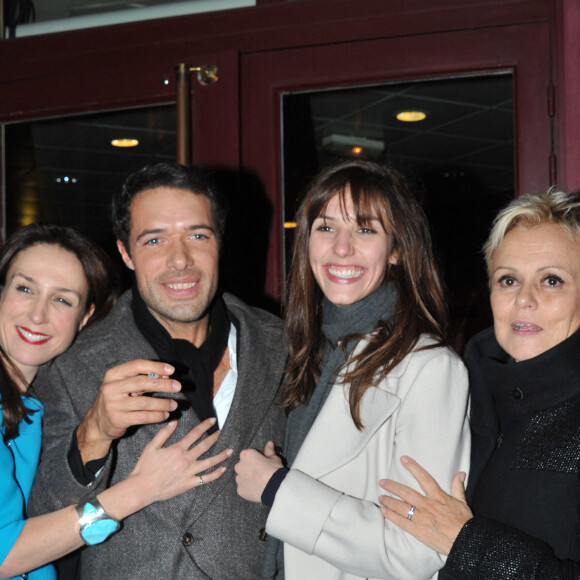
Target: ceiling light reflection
[[411, 116], [125, 142]]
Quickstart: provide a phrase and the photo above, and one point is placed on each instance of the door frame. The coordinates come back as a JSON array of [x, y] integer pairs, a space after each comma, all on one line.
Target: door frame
[[522, 49]]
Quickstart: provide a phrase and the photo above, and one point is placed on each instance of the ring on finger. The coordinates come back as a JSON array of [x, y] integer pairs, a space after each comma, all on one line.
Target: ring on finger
[[411, 512], [201, 481]]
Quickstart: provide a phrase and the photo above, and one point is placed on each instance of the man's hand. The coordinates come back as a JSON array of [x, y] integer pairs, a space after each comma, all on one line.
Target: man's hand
[[120, 404]]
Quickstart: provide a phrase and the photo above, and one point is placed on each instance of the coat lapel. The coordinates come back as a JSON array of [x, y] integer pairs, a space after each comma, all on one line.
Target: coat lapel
[[260, 360], [333, 439]]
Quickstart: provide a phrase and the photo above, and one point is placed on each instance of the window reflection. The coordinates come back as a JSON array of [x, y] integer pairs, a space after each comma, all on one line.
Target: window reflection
[[461, 154], [65, 170]]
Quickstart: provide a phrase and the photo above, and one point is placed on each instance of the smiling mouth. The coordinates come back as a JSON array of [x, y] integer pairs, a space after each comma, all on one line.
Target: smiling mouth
[[181, 286], [32, 337], [346, 273]]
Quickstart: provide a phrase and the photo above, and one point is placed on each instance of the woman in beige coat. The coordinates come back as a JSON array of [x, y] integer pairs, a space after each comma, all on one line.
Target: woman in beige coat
[[370, 378]]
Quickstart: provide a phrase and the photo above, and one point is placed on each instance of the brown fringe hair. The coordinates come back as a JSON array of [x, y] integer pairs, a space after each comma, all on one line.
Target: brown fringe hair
[[376, 190]]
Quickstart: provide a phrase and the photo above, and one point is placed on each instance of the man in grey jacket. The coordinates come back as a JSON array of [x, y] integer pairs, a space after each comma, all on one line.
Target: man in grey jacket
[[105, 397]]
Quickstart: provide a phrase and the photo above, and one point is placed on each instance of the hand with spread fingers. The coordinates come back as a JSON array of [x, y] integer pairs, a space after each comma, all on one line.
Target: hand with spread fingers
[[436, 518], [165, 471]]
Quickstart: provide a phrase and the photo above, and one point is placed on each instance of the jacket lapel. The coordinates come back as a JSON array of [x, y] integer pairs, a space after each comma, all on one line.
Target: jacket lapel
[[260, 360], [333, 439]]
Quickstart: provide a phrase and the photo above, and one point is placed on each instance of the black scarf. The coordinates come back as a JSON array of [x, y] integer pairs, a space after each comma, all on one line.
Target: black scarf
[[539, 382], [194, 367]]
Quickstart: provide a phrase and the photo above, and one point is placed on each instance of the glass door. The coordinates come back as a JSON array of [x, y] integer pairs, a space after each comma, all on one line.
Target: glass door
[[58, 160], [453, 137], [64, 170], [486, 135]]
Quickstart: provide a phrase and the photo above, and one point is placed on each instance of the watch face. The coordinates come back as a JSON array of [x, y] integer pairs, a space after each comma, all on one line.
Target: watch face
[[96, 525]]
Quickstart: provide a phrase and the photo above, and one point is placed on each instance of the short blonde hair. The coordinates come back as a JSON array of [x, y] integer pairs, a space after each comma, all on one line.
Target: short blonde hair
[[534, 209]]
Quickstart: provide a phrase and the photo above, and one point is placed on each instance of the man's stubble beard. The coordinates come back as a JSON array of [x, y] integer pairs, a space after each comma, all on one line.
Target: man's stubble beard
[[180, 312]]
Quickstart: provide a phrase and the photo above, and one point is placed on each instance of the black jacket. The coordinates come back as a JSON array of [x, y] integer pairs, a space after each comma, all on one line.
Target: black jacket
[[535, 539]]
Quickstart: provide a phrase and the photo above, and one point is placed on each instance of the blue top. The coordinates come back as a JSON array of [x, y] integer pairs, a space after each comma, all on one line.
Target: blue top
[[18, 463]]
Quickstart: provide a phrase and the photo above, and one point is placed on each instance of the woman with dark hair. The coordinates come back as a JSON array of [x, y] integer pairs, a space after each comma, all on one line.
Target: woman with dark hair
[[54, 282], [370, 375], [524, 377]]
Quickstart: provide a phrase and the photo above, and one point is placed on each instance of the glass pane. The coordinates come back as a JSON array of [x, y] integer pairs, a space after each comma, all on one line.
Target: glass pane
[[461, 155], [65, 170]]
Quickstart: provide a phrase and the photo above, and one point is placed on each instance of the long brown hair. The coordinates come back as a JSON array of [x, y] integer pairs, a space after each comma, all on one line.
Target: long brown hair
[[380, 191], [103, 286]]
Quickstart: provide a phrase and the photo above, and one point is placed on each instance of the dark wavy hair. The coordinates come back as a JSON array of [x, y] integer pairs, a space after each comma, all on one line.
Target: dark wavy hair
[[103, 289], [377, 190], [190, 178]]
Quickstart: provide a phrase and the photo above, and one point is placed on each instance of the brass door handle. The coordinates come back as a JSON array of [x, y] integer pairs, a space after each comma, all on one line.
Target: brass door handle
[[207, 74]]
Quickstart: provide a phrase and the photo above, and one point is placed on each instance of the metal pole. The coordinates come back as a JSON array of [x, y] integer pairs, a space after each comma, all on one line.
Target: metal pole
[[2, 31], [183, 98]]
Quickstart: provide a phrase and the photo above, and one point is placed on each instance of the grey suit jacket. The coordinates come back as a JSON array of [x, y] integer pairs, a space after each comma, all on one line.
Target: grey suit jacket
[[208, 532]]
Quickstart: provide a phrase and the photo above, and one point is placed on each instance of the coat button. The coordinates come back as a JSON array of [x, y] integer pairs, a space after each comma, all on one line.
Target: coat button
[[517, 394], [187, 539], [262, 535]]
